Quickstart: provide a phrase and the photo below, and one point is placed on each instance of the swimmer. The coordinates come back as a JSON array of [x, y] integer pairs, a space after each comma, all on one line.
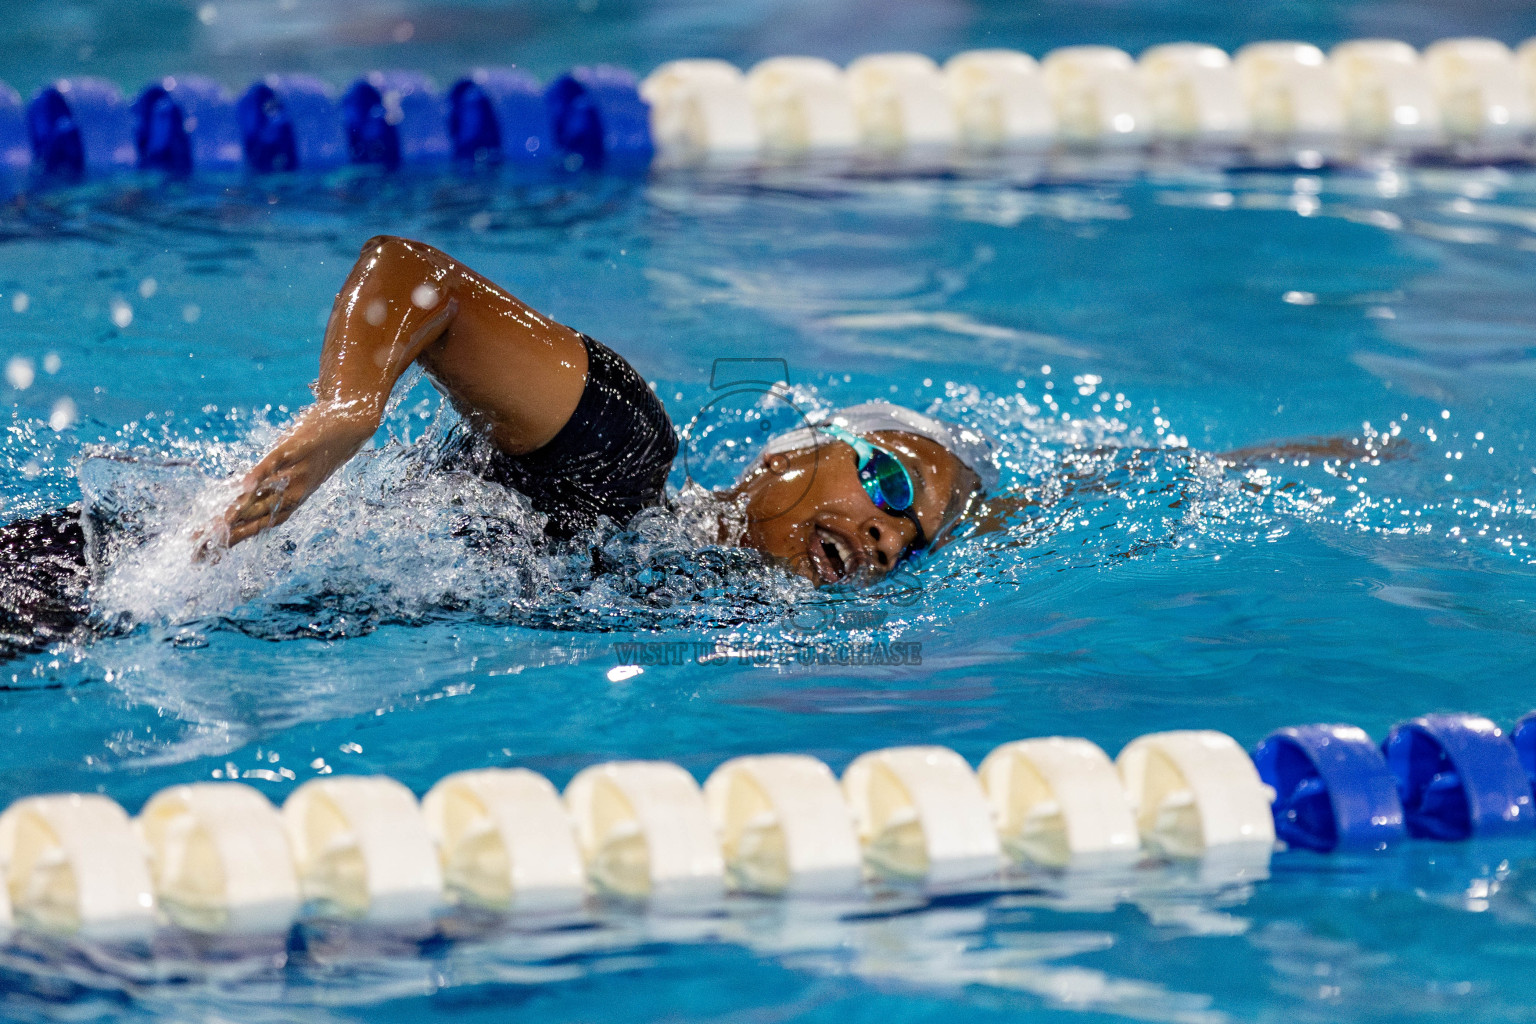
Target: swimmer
[[568, 423], [565, 421]]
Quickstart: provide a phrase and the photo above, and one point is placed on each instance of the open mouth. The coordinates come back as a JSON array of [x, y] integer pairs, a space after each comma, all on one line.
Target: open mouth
[[833, 557]]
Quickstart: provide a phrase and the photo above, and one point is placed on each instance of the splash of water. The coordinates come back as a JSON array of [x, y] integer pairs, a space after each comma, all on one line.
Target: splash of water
[[389, 540]]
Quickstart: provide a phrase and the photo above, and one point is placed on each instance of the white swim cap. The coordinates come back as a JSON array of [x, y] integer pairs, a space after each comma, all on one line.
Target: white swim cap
[[971, 447]]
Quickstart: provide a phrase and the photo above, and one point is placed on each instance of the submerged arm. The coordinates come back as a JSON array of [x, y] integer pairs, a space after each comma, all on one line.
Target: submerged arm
[[998, 512], [502, 364]]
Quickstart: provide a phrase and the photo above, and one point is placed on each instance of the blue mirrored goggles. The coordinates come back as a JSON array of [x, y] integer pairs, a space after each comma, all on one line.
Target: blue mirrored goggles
[[884, 479]]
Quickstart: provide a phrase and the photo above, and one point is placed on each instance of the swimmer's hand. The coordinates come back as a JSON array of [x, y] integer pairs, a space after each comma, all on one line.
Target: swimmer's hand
[[322, 438]]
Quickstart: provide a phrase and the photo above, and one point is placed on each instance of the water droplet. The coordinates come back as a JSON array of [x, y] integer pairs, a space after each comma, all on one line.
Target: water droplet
[[64, 414], [20, 373]]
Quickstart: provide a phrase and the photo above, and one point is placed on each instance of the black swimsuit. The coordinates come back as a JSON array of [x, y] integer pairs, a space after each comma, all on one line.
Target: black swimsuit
[[610, 459], [43, 579]]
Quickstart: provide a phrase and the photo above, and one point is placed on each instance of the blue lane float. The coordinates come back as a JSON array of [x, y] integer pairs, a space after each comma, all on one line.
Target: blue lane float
[[1333, 789], [1278, 102], [15, 147], [187, 123], [80, 127], [395, 118], [291, 123], [599, 122], [1458, 776], [499, 115], [1523, 736]]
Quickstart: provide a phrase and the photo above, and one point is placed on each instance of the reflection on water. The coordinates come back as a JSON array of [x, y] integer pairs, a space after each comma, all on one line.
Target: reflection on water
[[1102, 944]]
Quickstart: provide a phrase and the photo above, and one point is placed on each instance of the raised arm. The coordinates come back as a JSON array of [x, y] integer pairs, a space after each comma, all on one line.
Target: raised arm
[[513, 371]]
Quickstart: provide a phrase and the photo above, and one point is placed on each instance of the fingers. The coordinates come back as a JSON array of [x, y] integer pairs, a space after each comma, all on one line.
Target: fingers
[[240, 522], [277, 485], [247, 530], [259, 504], [267, 500], [253, 517], [209, 543]]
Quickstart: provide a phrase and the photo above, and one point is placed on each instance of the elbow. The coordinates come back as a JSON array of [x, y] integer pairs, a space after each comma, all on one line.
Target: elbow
[[403, 258], [387, 245]]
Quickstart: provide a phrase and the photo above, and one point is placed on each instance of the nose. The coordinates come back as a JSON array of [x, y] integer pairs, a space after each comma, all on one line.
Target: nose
[[886, 539]]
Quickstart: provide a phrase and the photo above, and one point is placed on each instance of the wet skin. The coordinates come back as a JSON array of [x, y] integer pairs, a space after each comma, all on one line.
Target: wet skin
[[519, 375], [807, 510], [504, 366]]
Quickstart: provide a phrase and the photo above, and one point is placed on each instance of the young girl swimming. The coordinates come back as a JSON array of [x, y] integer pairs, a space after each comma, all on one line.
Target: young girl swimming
[[564, 420], [557, 416], [568, 423]]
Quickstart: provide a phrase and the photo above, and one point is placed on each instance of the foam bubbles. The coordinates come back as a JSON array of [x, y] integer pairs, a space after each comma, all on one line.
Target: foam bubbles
[[392, 538], [398, 538]]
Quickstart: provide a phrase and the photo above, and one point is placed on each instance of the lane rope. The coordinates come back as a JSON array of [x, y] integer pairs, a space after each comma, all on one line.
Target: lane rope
[[1272, 104], [219, 858]]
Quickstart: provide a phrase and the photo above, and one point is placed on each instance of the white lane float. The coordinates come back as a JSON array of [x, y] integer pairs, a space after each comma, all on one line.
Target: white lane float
[[784, 827], [902, 103], [363, 851], [1484, 103], [1097, 96], [1193, 93], [802, 105], [73, 864], [505, 841], [1001, 100], [219, 858], [1290, 92], [701, 110], [1195, 791], [922, 816], [1058, 802], [645, 832], [1389, 99], [1525, 63]]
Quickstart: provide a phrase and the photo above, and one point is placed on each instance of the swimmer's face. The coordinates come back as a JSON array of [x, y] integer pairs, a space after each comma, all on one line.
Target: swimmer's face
[[807, 510]]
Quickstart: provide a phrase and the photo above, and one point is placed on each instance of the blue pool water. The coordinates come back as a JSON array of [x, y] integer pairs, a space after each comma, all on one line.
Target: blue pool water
[[1179, 314]]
